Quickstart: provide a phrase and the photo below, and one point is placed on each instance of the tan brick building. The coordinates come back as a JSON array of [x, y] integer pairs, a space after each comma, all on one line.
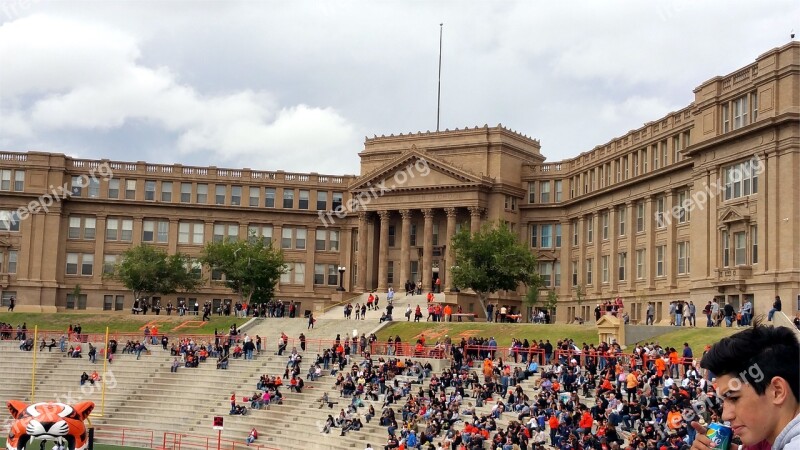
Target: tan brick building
[[703, 202]]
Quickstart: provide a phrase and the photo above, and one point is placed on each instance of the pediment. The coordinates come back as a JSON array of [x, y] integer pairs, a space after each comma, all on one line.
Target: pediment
[[608, 321], [415, 170], [733, 214]]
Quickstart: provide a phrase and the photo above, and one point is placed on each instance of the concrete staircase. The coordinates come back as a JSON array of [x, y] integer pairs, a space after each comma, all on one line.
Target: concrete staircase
[[401, 301]]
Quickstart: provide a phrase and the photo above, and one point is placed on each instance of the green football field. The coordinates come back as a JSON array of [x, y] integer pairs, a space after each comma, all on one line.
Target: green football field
[[35, 446]]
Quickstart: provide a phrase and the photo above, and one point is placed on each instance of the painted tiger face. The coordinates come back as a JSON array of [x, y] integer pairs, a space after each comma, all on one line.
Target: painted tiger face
[[48, 422]]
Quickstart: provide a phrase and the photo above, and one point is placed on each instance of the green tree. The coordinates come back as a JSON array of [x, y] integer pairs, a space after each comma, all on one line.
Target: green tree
[[493, 259], [552, 301], [252, 267], [148, 270]]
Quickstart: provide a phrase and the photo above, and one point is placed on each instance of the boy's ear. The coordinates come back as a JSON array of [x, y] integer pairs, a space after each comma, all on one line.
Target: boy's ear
[[16, 407]]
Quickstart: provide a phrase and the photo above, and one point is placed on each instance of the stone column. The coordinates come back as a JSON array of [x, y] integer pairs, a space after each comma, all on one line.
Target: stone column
[[598, 240], [405, 246], [670, 254], [650, 248], [451, 254], [99, 248], [475, 218], [383, 252], [613, 236], [427, 250], [630, 271], [363, 227]]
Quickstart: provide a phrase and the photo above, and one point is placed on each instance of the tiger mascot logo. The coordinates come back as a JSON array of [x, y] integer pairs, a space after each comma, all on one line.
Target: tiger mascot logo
[[48, 422]]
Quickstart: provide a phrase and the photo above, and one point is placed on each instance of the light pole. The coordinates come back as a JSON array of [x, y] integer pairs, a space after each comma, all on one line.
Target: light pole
[[341, 279]]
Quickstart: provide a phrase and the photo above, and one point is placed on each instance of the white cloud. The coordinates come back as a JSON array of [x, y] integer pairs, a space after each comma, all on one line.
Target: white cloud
[[117, 89]]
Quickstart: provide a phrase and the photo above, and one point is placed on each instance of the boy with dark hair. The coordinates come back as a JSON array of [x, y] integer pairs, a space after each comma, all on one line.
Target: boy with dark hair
[[758, 379]]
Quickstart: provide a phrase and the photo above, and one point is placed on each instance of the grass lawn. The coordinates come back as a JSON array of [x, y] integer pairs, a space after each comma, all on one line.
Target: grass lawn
[[697, 338], [503, 333], [120, 322]]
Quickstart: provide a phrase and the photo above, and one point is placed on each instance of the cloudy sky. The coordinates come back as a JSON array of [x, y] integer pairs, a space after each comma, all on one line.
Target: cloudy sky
[[297, 85]]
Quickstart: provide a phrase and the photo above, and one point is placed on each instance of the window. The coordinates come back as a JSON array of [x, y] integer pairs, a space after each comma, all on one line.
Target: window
[[656, 157], [558, 235], [635, 163], [72, 264], [660, 206], [149, 190], [622, 212], [604, 268], [574, 273], [109, 261], [683, 258], [108, 302], [547, 240], [333, 275], [254, 194], [288, 198], [223, 231], [236, 195], [676, 149], [683, 206], [754, 243], [392, 232], [660, 260], [202, 193], [155, 230], [260, 231], [740, 112], [413, 235], [532, 192], [640, 255], [319, 273], [286, 237], [741, 179], [219, 194], [622, 259], [82, 228], [12, 261], [557, 274], [574, 232], [558, 190], [546, 272], [589, 262], [296, 274], [112, 229], [414, 271], [191, 232], [9, 221], [286, 276], [130, 189], [269, 197], [300, 239], [534, 236], [322, 200], [663, 154], [127, 230], [739, 249], [754, 103], [640, 217], [119, 303], [726, 118], [625, 166], [545, 188], [94, 187], [322, 238], [186, 192], [113, 188], [76, 185], [333, 240], [590, 229], [726, 250], [336, 203], [511, 203], [5, 180], [604, 221], [435, 234], [166, 191], [302, 201]]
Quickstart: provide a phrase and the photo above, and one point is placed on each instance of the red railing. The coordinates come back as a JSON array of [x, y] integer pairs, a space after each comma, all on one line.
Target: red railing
[[132, 437], [182, 441]]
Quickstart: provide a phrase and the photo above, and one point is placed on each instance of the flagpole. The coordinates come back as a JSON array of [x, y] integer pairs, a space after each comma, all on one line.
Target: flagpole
[[439, 89]]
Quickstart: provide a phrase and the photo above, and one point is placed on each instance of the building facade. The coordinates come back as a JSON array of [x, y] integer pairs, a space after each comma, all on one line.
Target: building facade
[[701, 203]]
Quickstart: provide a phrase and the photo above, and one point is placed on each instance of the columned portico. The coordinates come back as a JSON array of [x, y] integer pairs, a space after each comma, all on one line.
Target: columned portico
[[427, 250], [451, 254], [363, 230], [383, 252]]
